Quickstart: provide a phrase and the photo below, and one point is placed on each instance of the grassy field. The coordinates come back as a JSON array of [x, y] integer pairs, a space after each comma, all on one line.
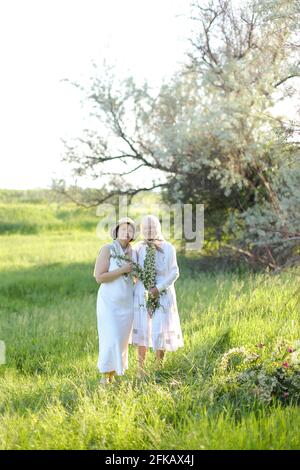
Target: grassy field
[[49, 393]]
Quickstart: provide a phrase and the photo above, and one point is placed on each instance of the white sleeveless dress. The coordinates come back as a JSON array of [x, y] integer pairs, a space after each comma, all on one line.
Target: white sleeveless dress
[[163, 330], [114, 321]]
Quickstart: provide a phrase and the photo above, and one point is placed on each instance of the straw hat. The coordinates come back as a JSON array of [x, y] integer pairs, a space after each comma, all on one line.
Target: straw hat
[[123, 220]]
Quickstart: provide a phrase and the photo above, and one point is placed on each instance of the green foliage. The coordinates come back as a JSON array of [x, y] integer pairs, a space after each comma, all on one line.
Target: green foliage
[[29, 218], [229, 148]]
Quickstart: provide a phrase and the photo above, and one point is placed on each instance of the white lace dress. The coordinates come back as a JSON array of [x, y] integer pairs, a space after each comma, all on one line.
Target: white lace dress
[[114, 320], [163, 330]]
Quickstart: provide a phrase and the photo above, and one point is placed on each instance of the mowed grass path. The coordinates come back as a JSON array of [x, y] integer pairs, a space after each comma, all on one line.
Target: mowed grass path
[[49, 393]]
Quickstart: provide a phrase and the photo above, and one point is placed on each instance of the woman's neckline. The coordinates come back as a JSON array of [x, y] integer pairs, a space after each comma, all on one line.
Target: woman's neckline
[[123, 248]]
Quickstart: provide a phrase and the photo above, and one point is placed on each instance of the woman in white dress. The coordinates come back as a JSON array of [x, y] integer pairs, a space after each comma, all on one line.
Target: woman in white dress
[[162, 330], [115, 300]]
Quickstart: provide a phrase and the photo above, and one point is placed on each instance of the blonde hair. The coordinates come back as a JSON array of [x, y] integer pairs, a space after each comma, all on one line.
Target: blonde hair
[[151, 231]]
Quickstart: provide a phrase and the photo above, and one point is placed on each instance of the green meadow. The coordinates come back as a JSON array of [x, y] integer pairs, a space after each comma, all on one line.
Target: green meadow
[[49, 392]]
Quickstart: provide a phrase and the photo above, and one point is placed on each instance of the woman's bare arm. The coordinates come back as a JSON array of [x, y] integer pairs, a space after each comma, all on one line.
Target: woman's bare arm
[[101, 273]]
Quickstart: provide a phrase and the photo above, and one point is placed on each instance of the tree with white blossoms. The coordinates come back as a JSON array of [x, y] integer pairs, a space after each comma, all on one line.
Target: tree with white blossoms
[[244, 159], [243, 162], [211, 134]]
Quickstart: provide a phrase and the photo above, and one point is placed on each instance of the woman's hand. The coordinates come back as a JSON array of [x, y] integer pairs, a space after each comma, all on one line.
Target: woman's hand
[[127, 268], [154, 292]]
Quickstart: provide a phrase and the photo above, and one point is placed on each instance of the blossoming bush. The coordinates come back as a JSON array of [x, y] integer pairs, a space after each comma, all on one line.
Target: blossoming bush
[[259, 374]]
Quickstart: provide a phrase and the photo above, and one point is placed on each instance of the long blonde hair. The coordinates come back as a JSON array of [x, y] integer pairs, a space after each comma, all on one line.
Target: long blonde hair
[[151, 231]]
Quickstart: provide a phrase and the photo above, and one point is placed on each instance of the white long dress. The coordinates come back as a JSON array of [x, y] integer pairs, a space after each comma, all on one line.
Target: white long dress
[[114, 321], [163, 330]]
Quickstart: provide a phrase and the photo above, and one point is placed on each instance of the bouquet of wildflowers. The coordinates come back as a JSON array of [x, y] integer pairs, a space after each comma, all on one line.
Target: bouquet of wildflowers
[[136, 271], [263, 374], [146, 275], [149, 275]]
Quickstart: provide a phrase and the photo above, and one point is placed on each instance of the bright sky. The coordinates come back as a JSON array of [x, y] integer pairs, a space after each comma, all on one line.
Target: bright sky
[[42, 42]]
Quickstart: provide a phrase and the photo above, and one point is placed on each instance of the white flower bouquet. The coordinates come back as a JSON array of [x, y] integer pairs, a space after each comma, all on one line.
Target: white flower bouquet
[[147, 276]]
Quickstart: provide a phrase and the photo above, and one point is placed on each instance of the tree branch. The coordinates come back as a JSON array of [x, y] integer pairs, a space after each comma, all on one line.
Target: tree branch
[[293, 75], [129, 192]]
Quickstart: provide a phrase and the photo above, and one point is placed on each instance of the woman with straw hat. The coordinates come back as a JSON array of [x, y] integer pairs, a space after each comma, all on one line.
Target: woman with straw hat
[[157, 327], [115, 300]]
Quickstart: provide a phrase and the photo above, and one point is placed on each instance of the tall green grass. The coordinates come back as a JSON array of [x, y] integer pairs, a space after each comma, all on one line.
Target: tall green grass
[[49, 392]]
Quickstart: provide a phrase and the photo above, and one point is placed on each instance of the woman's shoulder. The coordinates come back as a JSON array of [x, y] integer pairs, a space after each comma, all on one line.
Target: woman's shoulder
[[168, 249], [138, 246], [167, 245], [105, 249]]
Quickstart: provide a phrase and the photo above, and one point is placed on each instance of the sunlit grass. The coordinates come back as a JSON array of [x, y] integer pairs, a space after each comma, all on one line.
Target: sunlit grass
[[49, 392]]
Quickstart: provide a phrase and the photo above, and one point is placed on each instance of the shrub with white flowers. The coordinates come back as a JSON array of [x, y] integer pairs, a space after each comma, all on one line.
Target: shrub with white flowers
[[262, 375]]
